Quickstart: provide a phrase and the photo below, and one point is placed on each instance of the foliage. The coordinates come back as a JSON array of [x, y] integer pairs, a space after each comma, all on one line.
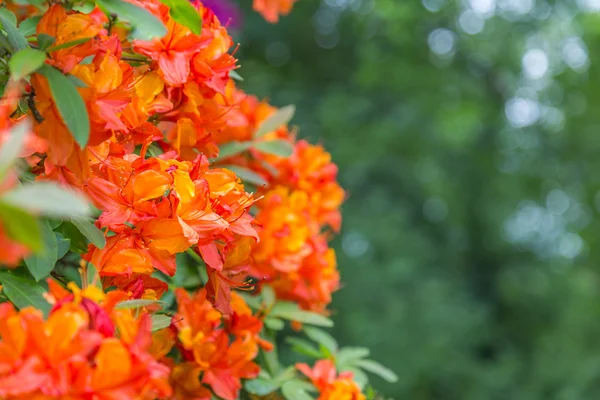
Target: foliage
[[127, 219]]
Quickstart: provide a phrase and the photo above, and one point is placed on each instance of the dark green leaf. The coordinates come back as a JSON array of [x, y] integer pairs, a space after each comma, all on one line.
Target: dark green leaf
[[160, 321], [78, 243], [69, 103], [23, 291], [44, 41], [90, 231], [297, 390], [21, 226], [41, 263], [376, 368], [66, 45], [49, 199], [260, 387], [276, 120], [278, 147], [321, 337], [246, 175], [63, 243], [145, 25], [185, 14], [15, 37], [27, 27]]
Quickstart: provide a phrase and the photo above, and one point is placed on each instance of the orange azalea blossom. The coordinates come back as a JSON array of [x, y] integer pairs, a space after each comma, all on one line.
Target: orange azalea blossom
[[212, 358], [330, 385], [272, 9], [75, 354]]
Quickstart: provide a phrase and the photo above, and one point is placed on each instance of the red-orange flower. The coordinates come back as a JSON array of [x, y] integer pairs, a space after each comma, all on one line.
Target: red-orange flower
[[272, 9], [331, 386]]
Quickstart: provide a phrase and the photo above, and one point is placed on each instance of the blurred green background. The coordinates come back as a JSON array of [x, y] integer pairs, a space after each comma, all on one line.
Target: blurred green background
[[468, 139]]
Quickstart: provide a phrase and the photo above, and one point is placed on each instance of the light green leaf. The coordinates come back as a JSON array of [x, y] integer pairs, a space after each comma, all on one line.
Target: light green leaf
[[160, 321], [233, 148], [246, 175], [145, 25], [185, 14], [10, 150], [44, 41], [66, 45], [28, 26], [346, 356], [297, 390], [274, 323], [90, 231], [15, 37], [279, 147], [359, 377], [41, 263], [304, 347], [276, 120], [25, 62], [268, 295], [376, 368], [290, 311], [23, 291], [234, 75], [260, 387], [321, 337], [69, 103], [21, 226], [48, 199], [136, 303]]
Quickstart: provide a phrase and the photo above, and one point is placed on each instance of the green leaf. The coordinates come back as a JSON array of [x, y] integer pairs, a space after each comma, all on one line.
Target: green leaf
[[23, 291], [69, 103], [260, 387], [63, 245], [136, 303], [246, 175], [304, 347], [185, 14], [21, 226], [321, 337], [44, 41], [233, 148], [376, 368], [92, 276], [25, 62], [348, 355], [66, 45], [359, 377], [78, 243], [90, 231], [10, 150], [290, 311], [160, 321], [234, 75], [28, 26], [274, 323], [41, 263], [15, 37], [268, 295], [145, 25], [276, 120], [48, 199], [76, 81], [297, 390], [279, 147]]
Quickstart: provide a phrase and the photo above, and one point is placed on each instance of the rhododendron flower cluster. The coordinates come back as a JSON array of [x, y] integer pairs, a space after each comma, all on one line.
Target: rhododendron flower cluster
[[157, 224]]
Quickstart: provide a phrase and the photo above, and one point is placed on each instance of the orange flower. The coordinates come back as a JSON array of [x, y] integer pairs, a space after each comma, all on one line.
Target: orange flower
[[70, 356], [330, 385], [271, 9], [208, 350]]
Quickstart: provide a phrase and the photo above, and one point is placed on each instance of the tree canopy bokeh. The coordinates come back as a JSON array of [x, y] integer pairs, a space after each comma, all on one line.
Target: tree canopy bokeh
[[467, 137]]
